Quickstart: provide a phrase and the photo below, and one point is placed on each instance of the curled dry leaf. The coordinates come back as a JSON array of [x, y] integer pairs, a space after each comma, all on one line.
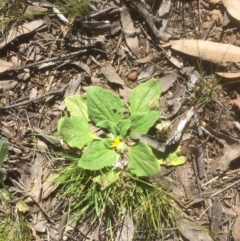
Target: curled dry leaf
[[216, 52]]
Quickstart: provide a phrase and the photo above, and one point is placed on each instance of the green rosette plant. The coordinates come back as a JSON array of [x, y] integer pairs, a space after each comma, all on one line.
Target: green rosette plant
[[117, 150]]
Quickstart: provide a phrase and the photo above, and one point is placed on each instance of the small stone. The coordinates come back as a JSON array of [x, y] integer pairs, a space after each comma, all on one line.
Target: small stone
[[133, 76]]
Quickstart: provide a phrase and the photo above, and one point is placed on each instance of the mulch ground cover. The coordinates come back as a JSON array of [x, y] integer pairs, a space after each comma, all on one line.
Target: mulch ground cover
[[190, 46]]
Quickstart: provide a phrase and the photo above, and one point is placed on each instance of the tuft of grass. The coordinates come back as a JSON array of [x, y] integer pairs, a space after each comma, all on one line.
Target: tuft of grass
[[151, 205], [14, 227], [14, 15], [73, 8]]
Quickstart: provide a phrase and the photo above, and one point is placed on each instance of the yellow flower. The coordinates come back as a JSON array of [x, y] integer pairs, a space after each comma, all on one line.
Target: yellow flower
[[116, 142]]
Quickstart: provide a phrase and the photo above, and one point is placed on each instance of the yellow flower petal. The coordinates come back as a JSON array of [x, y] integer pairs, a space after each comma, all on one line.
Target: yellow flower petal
[[116, 142]]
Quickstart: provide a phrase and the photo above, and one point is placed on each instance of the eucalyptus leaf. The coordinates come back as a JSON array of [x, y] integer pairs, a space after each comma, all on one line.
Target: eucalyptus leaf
[[141, 160], [76, 131], [104, 105], [107, 178], [97, 156], [142, 122], [145, 97], [4, 146], [77, 105]]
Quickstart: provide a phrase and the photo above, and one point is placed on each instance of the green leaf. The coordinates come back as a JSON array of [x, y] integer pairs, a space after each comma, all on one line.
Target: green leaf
[[173, 159], [76, 131], [145, 97], [108, 178], [104, 105], [108, 142], [5, 195], [97, 156], [110, 126], [124, 126], [142, 122], [3, 174], [141, 160], [77, 105], [4, 146]]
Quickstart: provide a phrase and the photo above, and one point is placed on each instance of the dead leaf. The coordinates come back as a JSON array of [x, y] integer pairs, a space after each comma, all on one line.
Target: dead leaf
[[33, 93], [48, 185], [74, 84], [185, 174], [146, 72], [36, 175], [110, 73], [232, 7], [173, 105], [84, 66], [167, 81], [36, 10], [192, 231], [236, 225], [216, 52], [21, 30], [231, 148], [163, 13], [4, 65], [7, 84], [132, 42], [156, 143], [228, 75]]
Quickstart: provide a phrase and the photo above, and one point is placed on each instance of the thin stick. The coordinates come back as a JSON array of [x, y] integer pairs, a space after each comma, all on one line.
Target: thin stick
[[48, 60], [232, 184], [35, 99]]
